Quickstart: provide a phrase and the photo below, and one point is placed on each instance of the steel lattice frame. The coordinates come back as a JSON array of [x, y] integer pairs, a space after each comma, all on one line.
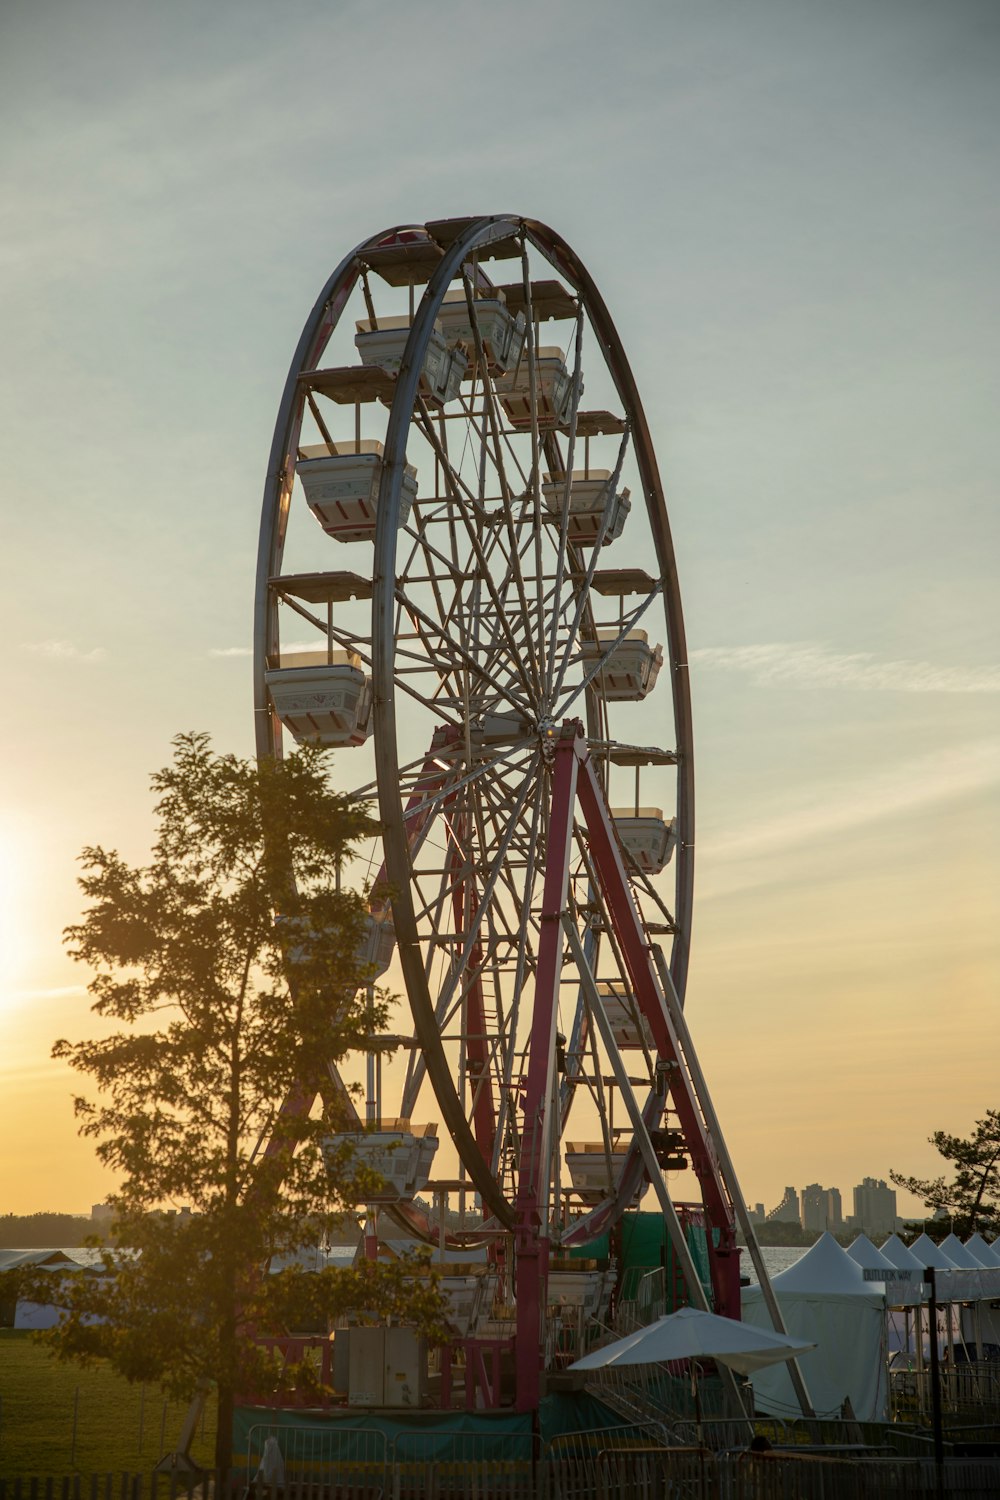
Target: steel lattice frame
[[496, 830]]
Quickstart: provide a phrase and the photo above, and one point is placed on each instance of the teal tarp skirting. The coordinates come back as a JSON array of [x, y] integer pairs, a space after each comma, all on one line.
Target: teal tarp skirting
[[357, 1434], [575, 1411], [424, 1436]]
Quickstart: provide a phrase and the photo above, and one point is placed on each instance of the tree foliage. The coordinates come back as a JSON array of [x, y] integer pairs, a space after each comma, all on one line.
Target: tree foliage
[[971, 1193], [227, 974]]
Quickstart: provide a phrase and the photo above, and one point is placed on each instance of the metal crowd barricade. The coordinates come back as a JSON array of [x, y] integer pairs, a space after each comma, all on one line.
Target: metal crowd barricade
[[349, 1463], [441, 1462]]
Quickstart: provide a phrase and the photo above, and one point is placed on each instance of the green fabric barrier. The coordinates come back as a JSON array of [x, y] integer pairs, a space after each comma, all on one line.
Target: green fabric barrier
[[344, 1436], [644, 1246], [357, 1437], [574, 1411]]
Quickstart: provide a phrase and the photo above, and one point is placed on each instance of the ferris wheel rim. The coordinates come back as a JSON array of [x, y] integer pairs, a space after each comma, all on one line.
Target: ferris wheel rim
[[277, 491], [480, 232]]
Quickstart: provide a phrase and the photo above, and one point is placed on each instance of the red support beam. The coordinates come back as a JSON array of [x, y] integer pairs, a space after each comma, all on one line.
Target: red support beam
[[531, 1245], [603, 844], [465, 905]]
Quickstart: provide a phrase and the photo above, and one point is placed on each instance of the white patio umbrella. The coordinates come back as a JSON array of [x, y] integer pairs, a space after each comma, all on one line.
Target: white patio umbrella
[[690, 1333]]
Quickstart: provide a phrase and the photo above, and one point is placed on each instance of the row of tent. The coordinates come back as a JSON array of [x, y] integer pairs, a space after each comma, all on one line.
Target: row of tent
[[843, 1300]]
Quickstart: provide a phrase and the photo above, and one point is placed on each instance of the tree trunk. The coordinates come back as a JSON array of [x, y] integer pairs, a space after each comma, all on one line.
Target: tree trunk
[[224, 1431]]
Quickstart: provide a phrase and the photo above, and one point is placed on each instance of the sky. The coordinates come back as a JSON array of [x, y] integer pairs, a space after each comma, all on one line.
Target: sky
[[790, 208]]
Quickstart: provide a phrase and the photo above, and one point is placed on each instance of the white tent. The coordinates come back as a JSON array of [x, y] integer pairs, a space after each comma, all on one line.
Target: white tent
[[930, 1254], [826, 1301], [898, 1255], [902, 1284], [37, 1314], [984, 1253], [961, 1278], [958, 1255]]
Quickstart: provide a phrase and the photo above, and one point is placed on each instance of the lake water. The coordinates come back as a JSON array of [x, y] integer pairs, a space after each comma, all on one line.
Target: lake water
[[776, 1258]]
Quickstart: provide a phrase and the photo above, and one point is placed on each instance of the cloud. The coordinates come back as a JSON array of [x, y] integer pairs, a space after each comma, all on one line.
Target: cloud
[[787, 663], [58, 993], [904, 788], [289, 649], [64, 651]]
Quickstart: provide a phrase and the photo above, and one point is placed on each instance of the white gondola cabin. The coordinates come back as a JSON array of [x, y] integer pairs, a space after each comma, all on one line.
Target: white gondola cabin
[[341, 483], [378, 945], [632, 667], [373, 953], [580, 1284], [400, 1153], [590, 500], [631, 1028], [382, 345], [469, 1291], [553, 390], [501, 333], [322, 697], [646, 835], [587, 1164]]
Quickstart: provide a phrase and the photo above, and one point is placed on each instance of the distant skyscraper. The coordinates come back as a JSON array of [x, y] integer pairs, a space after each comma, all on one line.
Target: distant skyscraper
[[787, 1211], [814, 1207], [874, 1207], [821, 1209], [835, 1211]]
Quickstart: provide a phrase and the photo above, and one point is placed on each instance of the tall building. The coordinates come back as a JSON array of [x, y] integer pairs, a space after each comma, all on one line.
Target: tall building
[[874, 1207], [787, 1211], [835, 1211], [821, 1209]]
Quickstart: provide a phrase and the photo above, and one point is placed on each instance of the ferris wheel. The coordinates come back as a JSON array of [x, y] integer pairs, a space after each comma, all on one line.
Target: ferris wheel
[[466, 586]]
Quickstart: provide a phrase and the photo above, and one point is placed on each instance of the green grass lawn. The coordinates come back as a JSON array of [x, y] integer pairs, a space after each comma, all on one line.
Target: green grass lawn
[[118, 1426]]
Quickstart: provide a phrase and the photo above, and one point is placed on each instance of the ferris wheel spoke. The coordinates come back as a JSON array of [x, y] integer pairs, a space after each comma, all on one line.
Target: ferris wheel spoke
[[466, 659], [536, 478], [489, 394], [609, 647], [486, 895], [595, 892], [454, 615], [583, 593], [524, 964], [417, 1066], [483, 553], [479, 773], [460, 489], [455, 992], [565, 508], [448, 686], [420, 535], [471, 526]]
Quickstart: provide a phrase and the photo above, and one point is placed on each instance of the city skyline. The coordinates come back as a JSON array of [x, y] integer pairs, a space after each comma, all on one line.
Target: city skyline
[[816, 1208], [790, 210]]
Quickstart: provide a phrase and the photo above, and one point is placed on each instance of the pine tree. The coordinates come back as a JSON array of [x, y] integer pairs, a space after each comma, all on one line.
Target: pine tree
[[972, 1195]]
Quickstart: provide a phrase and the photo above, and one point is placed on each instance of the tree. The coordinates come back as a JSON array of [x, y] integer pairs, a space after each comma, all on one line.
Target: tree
[[972, 1196], [230, 966]]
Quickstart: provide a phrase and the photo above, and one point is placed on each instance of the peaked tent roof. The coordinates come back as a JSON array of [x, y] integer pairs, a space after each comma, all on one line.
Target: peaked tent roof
[[929, 1254], [868, 1257], [9, 1259], [978, 1247], [958, 1255], [897, 1254], [826, 1268]]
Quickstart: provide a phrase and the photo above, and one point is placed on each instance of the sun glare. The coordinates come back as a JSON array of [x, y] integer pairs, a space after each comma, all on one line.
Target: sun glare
[[14, 859]]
